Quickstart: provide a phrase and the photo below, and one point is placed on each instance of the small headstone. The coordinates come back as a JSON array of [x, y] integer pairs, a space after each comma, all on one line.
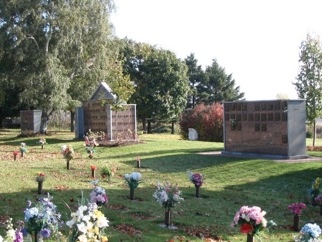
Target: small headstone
[[193, 135]]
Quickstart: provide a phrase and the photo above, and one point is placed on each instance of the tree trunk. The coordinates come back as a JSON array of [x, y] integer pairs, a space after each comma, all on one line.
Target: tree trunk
[[149, 126], [72, 118], [173, 126], [314, 134], [144, 124]]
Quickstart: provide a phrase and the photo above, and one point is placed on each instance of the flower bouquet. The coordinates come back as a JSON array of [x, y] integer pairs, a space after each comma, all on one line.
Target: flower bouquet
[[40, 178], [296, 209], [87, 224], [68, 153], [15, 153], [105, 173], [23, 149], [251, 220], [133, 179], [41, 220], [90, 145], [197, 179], [168, 196], [98, 196], [315, 191], [42, 142], [12, 234], [309, 233], [93, 170]]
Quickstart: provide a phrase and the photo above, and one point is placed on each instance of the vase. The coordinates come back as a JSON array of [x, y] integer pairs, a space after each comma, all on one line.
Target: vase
[[167, 217], [93, 173], [296, 222], [22, 154], [132, 193], [138, 164], [250, 238], [40, 187], [67, 164], [42, 146], [197, 190], [15, 156]]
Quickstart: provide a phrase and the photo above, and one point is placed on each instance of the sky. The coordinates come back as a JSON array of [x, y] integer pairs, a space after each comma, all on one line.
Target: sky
[[256, 41]]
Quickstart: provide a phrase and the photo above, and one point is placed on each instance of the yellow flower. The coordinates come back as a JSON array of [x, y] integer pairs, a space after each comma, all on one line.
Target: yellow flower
[[104, 239]]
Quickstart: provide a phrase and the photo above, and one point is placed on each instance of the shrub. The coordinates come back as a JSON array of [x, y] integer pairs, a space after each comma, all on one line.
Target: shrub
[[207, 120]]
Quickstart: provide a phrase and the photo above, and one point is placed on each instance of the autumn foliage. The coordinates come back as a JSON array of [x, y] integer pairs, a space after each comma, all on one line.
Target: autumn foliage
[[207, 120]]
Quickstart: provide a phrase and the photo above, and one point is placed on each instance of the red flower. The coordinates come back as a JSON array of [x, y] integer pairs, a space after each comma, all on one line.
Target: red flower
[[93, 167], [246, 228], [15, 152], [41, 174]]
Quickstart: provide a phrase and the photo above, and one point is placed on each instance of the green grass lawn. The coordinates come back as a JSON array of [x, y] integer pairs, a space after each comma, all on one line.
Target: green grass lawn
[[229, 184]]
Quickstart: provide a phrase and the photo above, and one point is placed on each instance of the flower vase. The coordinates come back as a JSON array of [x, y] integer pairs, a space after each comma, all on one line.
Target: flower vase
[[296, 222], [42, 146], [15, 155], [132, 193], [93, 173], [138, 163], [67, 164], [197, 190], [250, 238], [40, 187], [167, 217], [22, 154]]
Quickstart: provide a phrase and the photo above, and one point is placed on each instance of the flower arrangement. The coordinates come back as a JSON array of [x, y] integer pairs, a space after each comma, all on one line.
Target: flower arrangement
[[11, 233], [98, 195], [41, 220], [93, 170], [68, 152], [296, 208], [23, 149], [90, 145], [315, 190], [42, 142], [15, 153], [105, 173], [309, 233], [87, 224], [167, 195], [318, 199], [251, 220], [133, 179], [196, 178], [40, 177]]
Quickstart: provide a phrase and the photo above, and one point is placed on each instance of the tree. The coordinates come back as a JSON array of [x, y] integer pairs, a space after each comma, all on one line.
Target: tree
[[56, 51], [309, 78], [160, 79], [218, 86], [196, 75]]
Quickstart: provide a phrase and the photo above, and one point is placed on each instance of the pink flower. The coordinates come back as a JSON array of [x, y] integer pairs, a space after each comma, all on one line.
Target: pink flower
[[296, 208]]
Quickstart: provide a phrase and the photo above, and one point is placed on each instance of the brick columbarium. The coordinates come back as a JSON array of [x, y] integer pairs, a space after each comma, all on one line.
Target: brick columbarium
[[265, 129], [96, 115]]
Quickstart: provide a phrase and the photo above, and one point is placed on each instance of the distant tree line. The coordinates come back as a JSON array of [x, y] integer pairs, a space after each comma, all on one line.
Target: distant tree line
[[54, 54]]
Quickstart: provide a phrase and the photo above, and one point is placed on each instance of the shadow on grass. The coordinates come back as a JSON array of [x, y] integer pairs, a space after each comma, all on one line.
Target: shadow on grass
[[212, 213]]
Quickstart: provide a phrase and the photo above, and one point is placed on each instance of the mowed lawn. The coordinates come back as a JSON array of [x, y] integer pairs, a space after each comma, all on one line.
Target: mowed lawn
[[229, 184]]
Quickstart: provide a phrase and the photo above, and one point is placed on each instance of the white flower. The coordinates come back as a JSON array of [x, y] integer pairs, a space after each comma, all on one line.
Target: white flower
[[127, 176], [136, 175], [82, 227], [82, 238]]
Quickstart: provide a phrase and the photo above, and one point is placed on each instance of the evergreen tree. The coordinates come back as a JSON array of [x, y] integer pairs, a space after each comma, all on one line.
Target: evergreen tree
[[309, 78]]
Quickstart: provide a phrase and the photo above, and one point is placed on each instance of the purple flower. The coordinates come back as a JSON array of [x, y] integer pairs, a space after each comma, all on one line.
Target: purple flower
[[18, 236], [46, 233]]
